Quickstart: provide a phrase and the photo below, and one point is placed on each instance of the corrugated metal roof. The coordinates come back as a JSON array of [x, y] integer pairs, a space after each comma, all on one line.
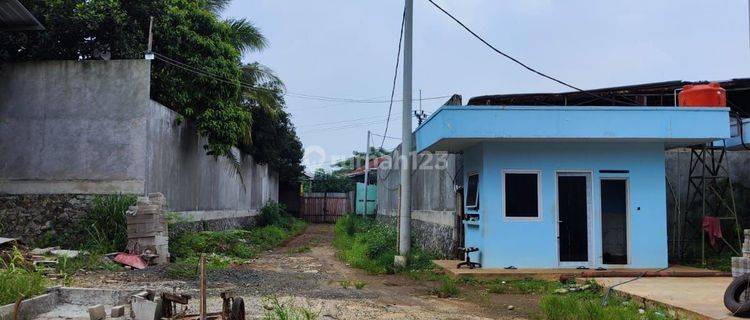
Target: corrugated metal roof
[[15, 17], [648, 94]]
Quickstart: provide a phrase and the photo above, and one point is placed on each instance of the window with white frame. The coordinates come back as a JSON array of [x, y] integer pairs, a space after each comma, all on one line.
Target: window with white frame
[[472, 192], [521, 194]]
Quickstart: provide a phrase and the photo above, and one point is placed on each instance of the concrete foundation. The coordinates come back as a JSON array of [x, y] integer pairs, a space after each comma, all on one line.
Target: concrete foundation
[[65, 303]]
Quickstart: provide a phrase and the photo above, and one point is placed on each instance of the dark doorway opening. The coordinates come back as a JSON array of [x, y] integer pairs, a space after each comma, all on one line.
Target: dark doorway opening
[[572, 200], [614, 222]]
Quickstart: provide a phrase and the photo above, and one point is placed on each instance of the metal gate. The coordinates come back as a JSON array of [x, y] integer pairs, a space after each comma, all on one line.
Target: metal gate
[[320, 207]]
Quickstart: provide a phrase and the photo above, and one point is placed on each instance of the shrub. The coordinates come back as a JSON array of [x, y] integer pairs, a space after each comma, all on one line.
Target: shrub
[[104, 227], [274, 214]]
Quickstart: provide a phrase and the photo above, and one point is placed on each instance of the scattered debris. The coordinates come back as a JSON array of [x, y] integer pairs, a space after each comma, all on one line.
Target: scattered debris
[[7, 241], [117, 312], [97, 312], [132, 260], [511, 307], [70, 254], [148, 237]]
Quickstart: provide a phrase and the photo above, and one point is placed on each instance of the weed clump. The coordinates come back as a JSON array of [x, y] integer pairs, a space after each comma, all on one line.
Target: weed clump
[[588, 304], [19, 278], [276, 310], [367, 244]]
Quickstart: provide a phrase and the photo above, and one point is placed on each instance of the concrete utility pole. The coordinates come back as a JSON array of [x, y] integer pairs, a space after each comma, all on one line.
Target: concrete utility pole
[[367, 172], [404, 234]]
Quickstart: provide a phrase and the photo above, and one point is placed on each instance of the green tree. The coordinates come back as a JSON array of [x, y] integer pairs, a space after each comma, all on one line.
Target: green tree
[[330, 182], [198, 71], [357, 160]]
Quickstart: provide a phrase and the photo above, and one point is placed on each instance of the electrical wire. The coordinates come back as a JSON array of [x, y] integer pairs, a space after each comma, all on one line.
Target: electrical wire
[[220, 78], [395, 75], [384, 136], [347, 126], [518, 61]]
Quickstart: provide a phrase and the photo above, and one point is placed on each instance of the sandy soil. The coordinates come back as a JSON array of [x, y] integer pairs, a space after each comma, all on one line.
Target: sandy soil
[[311, 278]]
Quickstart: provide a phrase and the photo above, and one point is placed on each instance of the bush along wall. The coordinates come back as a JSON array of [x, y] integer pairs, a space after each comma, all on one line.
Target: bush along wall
[[59, 219]]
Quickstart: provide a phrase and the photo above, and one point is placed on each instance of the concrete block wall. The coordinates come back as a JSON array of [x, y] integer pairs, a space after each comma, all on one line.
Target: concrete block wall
[[433, 198], [73, 129], [194, 183]]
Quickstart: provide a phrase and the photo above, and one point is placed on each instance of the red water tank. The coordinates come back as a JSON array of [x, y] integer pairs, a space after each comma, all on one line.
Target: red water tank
[[703, 95]]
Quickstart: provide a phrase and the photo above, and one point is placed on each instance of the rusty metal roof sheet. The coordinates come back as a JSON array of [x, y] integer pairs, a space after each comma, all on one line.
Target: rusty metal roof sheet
[[15, 17]]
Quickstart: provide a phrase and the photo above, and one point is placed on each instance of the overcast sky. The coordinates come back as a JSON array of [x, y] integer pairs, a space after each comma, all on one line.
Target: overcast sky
[[345, 48]]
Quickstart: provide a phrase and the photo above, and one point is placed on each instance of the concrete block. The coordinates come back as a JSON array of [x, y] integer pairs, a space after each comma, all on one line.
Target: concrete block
[[143, 309], [97, 312], [117, 312]]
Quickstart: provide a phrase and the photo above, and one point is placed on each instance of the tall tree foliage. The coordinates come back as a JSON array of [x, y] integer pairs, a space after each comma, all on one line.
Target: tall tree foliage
[[221, 102]]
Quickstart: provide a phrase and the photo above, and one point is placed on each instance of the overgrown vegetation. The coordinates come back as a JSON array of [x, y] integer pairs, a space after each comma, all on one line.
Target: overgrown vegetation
[[232, 247], [19, 278], [323, 181], [230, 103], [367, 244], [105, 226]]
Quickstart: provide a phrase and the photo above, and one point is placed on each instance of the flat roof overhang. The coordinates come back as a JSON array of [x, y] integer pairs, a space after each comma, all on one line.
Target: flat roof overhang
[[455, 128]]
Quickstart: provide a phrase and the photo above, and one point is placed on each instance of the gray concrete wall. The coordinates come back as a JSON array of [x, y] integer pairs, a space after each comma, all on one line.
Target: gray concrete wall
[[73, 127], [198, 185], [433, 198]]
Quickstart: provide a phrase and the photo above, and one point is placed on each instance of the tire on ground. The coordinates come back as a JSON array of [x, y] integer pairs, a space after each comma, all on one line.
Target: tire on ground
[[733, 296], [238, 309]]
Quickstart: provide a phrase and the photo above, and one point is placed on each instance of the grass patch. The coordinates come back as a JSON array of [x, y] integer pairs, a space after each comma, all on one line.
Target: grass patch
[[232, 247], [360, 284], [521, 286], [367, 244], [287, 311], [345, 284], [587, 304], [17, 277], [68, 267], [448, 288]]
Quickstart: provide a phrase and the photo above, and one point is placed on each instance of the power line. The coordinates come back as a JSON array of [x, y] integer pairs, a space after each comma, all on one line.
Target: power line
[[341, 121], [221, 78], [388, 137], [347, 126], [518, 61], [395, 75]]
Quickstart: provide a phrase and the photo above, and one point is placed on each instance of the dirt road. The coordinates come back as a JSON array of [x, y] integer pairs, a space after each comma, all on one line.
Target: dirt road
[[305, 273]]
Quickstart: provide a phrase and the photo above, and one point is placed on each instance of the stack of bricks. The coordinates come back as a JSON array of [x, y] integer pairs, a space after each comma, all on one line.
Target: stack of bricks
[[741, 265], [147, 229]]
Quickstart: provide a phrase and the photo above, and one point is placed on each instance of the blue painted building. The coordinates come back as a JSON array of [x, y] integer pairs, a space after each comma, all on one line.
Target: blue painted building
[[557, 187]]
